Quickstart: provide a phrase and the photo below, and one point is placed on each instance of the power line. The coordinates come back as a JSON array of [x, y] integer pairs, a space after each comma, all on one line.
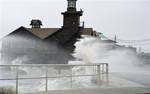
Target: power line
[[133, 42]]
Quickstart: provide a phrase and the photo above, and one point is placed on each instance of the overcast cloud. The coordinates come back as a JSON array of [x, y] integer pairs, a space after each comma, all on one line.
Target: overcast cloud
[[128, 19]]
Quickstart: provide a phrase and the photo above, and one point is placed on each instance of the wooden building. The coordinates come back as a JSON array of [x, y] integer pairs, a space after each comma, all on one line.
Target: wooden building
[[45, 45]]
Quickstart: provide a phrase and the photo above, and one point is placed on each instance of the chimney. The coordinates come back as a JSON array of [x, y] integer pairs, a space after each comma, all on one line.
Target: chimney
[[36, 23]]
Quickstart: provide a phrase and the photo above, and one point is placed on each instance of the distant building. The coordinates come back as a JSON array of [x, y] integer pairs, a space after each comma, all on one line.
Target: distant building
[[45, 45]]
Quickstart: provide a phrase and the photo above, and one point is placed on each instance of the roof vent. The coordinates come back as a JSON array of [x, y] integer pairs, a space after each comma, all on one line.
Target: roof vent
[[35, 23]]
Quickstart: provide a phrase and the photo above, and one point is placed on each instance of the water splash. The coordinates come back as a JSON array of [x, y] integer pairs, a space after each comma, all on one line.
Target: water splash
[[93, 50], [0, 51], [88, 50]]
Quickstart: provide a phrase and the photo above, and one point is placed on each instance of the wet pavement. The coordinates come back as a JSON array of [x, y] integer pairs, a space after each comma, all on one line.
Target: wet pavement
[[119, 83]]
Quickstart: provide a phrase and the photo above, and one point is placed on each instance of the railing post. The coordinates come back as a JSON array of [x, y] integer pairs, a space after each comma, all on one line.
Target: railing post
[[107, 74], [46, 79], [99, 74], [107, 68], [71, 78], [103, 68], [16, 79]]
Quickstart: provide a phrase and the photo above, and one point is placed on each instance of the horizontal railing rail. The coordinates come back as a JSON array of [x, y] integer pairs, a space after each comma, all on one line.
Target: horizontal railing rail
[[40, 65], [98, 68]]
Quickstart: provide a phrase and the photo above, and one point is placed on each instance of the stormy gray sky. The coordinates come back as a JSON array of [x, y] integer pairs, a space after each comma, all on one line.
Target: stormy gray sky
[[128, 19]]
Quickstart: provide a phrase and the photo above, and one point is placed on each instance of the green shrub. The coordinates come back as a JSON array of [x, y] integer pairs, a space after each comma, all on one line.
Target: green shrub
[[7, 90]]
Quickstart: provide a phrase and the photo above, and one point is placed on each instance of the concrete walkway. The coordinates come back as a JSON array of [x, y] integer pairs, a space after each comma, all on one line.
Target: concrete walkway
[[101, 91], [117, 85]]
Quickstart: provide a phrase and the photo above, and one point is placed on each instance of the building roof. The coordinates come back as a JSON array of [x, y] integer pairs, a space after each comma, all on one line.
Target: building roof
[[43, 32], [46, 32]]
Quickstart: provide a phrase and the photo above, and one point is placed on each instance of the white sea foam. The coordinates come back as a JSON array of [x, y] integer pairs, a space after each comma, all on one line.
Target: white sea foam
[[0, 51], [88, 50], [93, 50]]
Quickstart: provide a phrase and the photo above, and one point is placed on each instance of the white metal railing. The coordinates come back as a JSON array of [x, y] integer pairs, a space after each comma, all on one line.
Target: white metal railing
[[98, 70]]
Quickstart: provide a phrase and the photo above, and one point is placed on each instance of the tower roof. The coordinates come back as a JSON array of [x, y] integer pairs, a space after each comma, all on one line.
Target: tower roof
[[72, 0]]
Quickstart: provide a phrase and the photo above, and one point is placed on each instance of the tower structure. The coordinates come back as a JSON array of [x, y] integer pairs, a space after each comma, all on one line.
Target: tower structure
[[71, 18], [71, 21]]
